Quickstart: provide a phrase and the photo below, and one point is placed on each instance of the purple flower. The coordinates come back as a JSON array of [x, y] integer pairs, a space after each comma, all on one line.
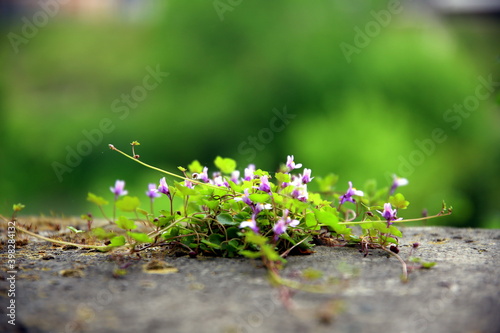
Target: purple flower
[[283, 222], [219, 181], [152, 192], [300, 192], [163, 188], [119, 188], [389, 214], [245, 198], [264, 184], [259, 207], [290, 164], [203, 176], [252, 224], [249, 172], [397, 182], [256, 207], [348, 195], [306, 177], [188, 183], [235, 176]]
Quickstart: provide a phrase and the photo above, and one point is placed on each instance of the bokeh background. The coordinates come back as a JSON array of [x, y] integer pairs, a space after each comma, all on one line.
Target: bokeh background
[[364, 85]]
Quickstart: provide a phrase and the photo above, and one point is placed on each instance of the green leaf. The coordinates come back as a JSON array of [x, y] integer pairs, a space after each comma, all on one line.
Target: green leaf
[[99, 201], [142, 211], [311, 222], [326, 184], [211, 204], [75, 230], [398, 201], [259, 198], [117, 241], [128, 203], [283, 177], [250, 254], [164, 221], [100, 233], [393, 230], [195, 167], [270, 253], [233, 232], [390, 240], [86, 217], [185, 190], [210, 244], [216, 238], [140, 237], [125, 224], [226, 219], [251, 237], [330, 219], [226, 165]]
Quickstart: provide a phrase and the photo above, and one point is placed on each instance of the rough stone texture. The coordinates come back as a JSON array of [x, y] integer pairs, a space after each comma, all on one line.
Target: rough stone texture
[[460, 294]]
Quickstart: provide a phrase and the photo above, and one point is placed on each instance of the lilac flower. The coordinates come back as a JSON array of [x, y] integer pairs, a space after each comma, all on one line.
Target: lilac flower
[[188, 183], [219, 181], [256, 207], [264, 184], [300, 192], [249, 172], [252, 224], [235, 176], [259, 207], [152, 192], [348, 195], [306, 176], [290, 164], [203, 176], [397, 182], [284, 221], [163, 188], [389, 214], [119, 188], [245, 198]]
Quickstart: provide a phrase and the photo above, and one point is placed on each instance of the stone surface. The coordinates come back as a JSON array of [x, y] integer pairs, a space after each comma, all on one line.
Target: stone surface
[[74, 290]]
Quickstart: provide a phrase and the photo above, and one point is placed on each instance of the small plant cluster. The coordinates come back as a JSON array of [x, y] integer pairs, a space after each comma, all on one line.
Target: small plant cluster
[[254, 213]]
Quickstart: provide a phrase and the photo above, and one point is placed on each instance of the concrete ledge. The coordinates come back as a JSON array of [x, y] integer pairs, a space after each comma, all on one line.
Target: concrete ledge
[[460, 294]]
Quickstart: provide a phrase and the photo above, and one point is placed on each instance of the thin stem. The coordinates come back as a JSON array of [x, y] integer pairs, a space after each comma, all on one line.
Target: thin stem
[[400, 221], [403, 263], [59, 241], [284, 254], [104, 214], [164, 171]]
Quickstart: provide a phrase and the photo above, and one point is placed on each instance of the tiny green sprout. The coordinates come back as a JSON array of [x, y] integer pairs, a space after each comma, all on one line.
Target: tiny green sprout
[[133, 144], [18, 207]]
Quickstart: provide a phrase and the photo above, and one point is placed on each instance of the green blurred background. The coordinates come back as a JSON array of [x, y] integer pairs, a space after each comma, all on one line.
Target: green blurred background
[[364, 83]]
